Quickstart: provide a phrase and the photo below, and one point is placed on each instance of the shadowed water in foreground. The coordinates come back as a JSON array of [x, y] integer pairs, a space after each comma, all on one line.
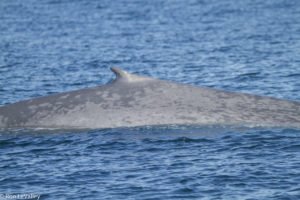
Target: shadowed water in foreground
[[153, 163]]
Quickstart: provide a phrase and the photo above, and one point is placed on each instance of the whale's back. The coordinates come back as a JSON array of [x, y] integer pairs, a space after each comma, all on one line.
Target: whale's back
[[133, 100]]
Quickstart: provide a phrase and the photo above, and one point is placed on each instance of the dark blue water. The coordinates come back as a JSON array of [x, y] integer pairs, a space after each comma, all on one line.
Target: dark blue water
[[52, 46]]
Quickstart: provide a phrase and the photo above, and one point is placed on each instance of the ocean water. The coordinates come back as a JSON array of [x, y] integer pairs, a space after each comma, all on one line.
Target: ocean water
[[52, 46]]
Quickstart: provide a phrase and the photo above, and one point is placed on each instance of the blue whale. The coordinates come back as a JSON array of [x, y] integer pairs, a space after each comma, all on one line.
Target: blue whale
[[132, 100]]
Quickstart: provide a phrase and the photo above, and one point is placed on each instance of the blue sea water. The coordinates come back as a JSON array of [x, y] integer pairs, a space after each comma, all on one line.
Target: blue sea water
[[51, 46]]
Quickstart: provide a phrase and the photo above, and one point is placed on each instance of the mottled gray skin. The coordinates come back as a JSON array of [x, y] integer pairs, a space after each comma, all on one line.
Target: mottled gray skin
[[133, 100]]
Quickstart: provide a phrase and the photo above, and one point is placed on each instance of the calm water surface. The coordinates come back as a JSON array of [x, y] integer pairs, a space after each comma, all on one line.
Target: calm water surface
[[53, 46]]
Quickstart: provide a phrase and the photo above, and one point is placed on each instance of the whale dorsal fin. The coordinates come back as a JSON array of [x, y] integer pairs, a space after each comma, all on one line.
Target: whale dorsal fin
[[124, 76]]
